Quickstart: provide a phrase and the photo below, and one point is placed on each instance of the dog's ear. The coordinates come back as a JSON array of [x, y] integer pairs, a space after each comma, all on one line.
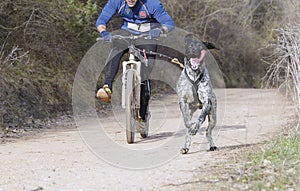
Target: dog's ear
[[210, 45]]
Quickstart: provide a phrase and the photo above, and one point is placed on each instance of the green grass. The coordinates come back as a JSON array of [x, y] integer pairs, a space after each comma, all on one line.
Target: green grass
[[275, 167]]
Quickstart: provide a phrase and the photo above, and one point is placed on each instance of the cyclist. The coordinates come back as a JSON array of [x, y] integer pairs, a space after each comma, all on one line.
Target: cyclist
[[139, 17]]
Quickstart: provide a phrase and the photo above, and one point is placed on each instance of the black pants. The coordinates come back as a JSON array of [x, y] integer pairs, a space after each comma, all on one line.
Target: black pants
[[120, 47]]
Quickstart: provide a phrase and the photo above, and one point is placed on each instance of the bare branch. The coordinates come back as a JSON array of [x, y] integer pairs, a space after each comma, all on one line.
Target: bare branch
[[284, 63]]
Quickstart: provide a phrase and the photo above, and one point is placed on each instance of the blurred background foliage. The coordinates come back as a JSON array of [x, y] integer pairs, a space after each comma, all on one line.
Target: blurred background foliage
[[42, 43]]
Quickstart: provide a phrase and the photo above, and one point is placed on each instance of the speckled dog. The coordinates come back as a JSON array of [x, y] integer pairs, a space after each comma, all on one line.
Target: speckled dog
[[194, 90]]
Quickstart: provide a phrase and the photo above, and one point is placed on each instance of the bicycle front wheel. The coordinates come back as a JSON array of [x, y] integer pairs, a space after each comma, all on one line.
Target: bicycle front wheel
[[130, 106]]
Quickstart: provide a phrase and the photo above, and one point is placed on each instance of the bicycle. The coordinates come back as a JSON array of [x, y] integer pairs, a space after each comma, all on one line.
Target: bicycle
[[131, 81]]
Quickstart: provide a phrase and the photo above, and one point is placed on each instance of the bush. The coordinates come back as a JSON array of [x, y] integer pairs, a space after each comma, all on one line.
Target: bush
[[43, 43]]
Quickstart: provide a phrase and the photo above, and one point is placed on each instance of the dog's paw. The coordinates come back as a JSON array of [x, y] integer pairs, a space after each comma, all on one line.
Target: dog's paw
[[184, 151], [200, 105], [213, 148]]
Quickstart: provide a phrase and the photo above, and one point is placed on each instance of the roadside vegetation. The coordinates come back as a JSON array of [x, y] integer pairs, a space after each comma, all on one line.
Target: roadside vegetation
[[41, 44], [273, 165]]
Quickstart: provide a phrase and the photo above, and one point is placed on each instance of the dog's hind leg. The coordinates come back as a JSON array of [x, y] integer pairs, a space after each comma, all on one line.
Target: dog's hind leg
[[212, 120], [205, 100], [211, 125]]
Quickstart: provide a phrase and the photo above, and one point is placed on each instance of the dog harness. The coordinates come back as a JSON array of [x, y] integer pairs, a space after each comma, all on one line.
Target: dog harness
[[194, 83]]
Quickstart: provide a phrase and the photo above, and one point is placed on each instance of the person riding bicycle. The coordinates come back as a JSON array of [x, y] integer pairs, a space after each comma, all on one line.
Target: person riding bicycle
[[139, 17]]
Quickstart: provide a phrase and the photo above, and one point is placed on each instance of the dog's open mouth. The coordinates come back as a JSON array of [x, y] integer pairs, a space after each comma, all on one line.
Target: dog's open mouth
[[196, 61]]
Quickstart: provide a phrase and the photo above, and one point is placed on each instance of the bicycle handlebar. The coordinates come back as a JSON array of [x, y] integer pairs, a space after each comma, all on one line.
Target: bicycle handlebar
[[146, 36], [132, 36]]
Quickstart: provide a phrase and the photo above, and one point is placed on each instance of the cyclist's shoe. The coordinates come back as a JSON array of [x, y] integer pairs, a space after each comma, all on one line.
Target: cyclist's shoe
[[104, 94], [141, 122]]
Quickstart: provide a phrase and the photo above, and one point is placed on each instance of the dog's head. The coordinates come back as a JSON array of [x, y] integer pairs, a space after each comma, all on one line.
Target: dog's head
[[195, 52]]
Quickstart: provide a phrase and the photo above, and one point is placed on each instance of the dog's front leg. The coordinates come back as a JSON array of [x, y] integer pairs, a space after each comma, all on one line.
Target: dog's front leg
[[185, 110], [186, 113], [188, 141]]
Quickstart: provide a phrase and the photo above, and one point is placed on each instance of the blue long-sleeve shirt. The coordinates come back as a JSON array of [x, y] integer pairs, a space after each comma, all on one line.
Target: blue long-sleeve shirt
[[144, 12]]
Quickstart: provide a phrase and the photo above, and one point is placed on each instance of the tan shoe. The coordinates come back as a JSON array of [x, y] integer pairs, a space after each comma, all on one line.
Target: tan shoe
[[104, 94]]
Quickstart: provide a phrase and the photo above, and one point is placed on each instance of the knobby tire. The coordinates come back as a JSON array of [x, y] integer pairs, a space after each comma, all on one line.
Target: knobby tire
[[130, 107]]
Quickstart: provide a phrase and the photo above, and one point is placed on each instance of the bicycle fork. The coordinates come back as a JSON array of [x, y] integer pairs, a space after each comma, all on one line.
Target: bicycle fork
[[134, 65]]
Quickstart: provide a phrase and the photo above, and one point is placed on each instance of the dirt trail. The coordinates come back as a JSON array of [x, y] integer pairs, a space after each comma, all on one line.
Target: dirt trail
[[69, 160]]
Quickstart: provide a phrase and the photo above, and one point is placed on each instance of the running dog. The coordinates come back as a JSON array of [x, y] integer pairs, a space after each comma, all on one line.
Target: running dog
[[194, 90]]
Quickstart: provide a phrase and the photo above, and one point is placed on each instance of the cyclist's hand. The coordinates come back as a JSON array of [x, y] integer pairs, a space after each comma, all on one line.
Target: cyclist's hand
[[106, 36], [154, 33]]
